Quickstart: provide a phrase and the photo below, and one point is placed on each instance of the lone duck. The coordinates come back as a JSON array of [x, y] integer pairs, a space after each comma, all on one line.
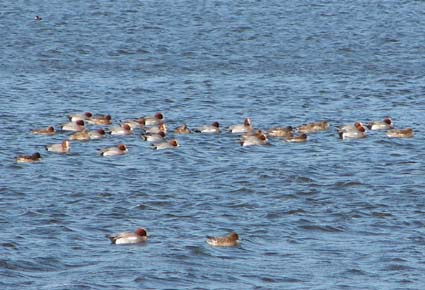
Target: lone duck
[[140, 235], [230, 240]]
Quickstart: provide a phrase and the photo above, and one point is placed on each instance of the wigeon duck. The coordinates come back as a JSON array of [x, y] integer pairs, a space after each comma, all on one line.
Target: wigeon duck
[[251, 133], [313, 127], [63, 147], [28, 158], [358, 132], [44, 131], [80, 136], [300, 138], [100, 120], [350, 127], [121, 149], [241, 128], [88, 135], [153, 137], [139, 236], [83, 116], [124, 129], [73, 126], [386, 124], [280, 132], [157, 119], [156, 129], [98, 134], [213, 128], [230, 240], [400, 133], [172, 144], [136, 123], [183, 129], [252, 140]]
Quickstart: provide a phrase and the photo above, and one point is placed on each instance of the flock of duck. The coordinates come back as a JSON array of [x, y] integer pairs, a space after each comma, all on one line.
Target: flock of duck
[[154, 130]]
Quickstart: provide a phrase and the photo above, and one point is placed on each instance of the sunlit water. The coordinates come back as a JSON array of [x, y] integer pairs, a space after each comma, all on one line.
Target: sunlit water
[[327, 214]]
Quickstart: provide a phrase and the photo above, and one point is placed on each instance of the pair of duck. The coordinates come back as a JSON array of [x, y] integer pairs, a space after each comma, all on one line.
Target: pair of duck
[[140, 235], [122, 149]]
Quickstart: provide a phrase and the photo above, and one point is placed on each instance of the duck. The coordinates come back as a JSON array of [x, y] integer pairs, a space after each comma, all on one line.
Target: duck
[[88, 135], [230, 240], [156, 129], [81, 116], [350, 127], [172, 144], [28, 158], [213, 128], [280, 132], [135, 123], [100, 120], [313, 127], [182, 129], [124, 129], [157, 119], [62, 148], [386, 124], [297, 139], [120, 149], [44, 131], [356, 133], [73, 126], [241, 128], [38, 18], [158, 137], [400, 133], [98, 134], [252, 140], [140, 235]]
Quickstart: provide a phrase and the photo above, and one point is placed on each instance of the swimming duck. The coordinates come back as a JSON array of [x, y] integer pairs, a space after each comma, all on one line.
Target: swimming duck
[[156, 129], [44, 131], [135, 123], [400, 133], [183, 129], [140, 235], [28, 158], [213, 128], [230, 240], [88, 135], [252, 140], [241, 128], [73, 126], [386, 124], [356, 133], [63, 147], [157, 119], [313, 127], [280, 132], [172, 144], [124, 129], [83, 116], [100, 120], [120, 149], [350, 127], [298, 139], [153, 137]]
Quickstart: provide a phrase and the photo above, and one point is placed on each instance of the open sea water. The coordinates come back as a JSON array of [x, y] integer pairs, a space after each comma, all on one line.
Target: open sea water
[[326, 214]]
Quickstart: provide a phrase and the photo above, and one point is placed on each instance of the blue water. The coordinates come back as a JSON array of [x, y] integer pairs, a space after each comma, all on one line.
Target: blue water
[[327, 214]]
